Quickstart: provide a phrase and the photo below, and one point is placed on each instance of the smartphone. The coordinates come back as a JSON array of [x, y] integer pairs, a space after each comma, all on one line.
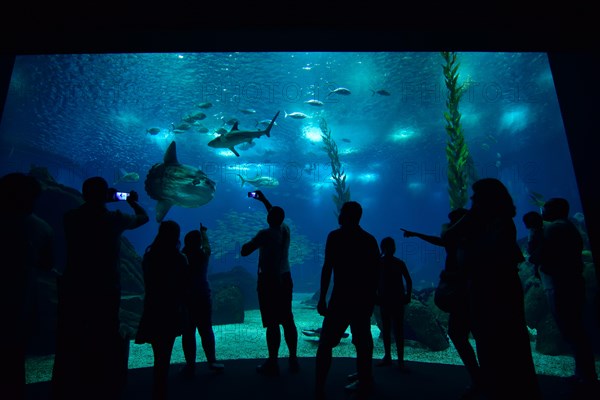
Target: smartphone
[[252, 194], [121, 196]]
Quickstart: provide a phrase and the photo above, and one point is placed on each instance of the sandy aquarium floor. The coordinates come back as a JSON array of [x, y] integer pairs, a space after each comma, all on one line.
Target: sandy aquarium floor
[[247, 340]]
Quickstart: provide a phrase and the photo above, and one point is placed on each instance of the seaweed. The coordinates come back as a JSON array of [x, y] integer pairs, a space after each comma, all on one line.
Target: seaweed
[[342, 192], [457, 152]]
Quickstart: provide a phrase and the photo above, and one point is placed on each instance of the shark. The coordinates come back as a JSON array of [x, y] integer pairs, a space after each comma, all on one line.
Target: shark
[[172, 183], [235, 137]]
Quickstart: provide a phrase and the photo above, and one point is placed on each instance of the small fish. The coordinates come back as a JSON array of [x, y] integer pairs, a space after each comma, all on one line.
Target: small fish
[[296, 115], [485, 146], [184, 126], [265, 122], [202, 129], [262, 181], [231, 121], [341, 91], [381, 92], [153, 131], [191, 118], [346, 140], [314, 102], [246, 146], [247, 111], [125, 176], [205, 105]]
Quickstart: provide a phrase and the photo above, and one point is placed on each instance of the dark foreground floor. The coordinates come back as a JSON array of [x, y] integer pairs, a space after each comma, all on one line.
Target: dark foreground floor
[[240, 381]]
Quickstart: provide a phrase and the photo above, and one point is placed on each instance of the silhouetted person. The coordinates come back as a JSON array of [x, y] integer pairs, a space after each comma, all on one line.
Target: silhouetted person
[[459, 322], [486, 236], [534, 223], [198, 303], [392, 296], [89, 349], [25, 247], [352, 256], [274, 286], [163, 318], [561, 269]]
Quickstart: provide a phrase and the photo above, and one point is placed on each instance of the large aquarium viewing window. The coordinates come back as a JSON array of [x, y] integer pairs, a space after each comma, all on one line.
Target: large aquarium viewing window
[[310, 130]]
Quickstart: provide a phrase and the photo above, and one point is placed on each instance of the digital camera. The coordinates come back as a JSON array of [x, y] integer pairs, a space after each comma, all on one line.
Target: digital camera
[[119, 196], [114, 195]]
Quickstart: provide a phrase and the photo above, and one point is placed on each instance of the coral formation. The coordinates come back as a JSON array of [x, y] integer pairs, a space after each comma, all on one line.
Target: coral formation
[[342, 193]]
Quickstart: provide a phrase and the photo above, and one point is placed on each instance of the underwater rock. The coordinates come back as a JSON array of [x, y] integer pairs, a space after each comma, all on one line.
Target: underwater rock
[[423, 323], [228, 305], [240, 277], [549, 340]]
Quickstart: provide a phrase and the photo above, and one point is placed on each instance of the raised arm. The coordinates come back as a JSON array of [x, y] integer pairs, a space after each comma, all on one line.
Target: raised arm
[[205, 242], [435, 240], [260, 196], [141, 217]]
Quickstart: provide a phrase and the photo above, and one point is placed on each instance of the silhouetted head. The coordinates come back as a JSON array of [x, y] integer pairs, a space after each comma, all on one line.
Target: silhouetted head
[[388, 246], [275, 216], [491, 198], [167, 237], [18, 192], [193, 239], [95, 190], [350, 213], [455, 215], [555, 208], [532, 220]]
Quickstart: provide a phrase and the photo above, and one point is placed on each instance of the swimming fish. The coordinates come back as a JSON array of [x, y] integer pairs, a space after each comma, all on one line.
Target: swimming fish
[[153, 131], [296, 115], [261, 181], [381, 92], [341, 91], [236, 136], [314, 102], [174, 184], [125, 176]]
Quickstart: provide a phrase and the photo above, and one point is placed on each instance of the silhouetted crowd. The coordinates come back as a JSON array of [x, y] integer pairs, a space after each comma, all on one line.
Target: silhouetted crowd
[[358, 274]]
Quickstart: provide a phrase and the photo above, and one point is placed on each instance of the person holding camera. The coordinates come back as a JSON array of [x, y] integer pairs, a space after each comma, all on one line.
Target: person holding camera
[[89, 350], [274, 285], [393, 295]]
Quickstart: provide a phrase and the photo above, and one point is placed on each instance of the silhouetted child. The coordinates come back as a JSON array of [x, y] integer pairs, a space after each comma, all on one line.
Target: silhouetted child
[[393, 295], [198, 302]]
